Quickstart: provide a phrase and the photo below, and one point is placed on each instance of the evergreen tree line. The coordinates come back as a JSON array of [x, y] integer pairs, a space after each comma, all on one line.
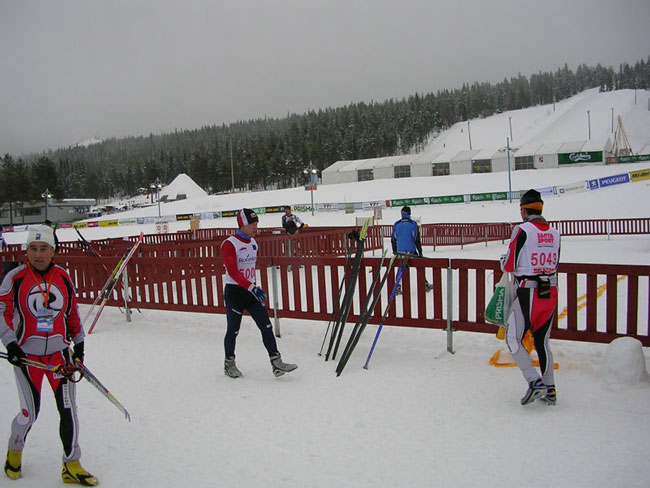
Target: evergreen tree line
[[272, 153]]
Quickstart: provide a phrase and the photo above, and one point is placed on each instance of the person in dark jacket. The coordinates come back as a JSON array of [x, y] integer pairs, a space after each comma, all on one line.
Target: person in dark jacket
[[291, 222]]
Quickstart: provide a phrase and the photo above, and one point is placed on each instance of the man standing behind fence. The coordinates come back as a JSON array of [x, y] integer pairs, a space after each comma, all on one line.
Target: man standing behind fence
[[405, 238], [239, 253], [533, 256]]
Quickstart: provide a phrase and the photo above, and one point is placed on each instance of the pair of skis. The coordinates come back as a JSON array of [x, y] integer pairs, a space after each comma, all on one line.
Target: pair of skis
[[107, 290], [368, 307], [344, 310], [69, 371]]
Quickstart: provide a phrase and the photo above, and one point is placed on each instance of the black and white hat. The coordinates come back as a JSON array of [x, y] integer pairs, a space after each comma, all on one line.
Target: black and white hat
[[246, 216]]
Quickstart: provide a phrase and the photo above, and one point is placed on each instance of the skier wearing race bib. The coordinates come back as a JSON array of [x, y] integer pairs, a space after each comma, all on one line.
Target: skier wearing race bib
[[533, 255], [239, 253], [38, 321]]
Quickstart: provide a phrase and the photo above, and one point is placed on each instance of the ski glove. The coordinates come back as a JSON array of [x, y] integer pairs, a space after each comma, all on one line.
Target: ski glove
[[15, 354], [258, 293], [78, 352]]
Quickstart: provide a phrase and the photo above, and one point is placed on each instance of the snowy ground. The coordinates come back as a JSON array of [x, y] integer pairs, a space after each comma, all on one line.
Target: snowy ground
[[418, 417]]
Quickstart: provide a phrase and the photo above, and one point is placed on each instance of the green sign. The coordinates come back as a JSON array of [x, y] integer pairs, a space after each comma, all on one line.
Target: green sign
[[633, 159], [488, 197], [580, 157], [409, 201], [447, 199]]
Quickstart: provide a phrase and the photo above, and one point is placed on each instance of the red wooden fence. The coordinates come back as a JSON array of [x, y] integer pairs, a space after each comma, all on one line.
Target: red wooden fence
[[307, 287]]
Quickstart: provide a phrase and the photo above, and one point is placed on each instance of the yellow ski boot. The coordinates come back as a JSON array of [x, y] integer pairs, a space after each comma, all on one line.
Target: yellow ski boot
[[74, 473], [12, 465]]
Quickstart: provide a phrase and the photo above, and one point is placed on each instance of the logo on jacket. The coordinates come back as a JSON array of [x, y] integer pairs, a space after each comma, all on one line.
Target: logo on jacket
[[545, 238], [36, 302]]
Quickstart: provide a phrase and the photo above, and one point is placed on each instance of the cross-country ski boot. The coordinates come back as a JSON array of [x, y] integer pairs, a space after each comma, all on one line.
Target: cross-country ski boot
[[73, 473], [279, 366], [551, 396], [536, 389], [12, 464], [230, 368]]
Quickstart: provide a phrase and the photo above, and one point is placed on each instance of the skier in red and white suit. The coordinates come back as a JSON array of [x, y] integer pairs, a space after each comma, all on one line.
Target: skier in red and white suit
[[38, 321], [533, 256], [239, 253]]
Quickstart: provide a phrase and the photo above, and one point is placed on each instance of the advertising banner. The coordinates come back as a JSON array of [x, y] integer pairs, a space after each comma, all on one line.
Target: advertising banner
[[549, 191], [409, 201], [614, 180], [488, 197], [642, 174], [327, 207], [634, 159], [274, 209], [302, 208], [183, 216], [208, 215], [572, 188], [108, 223], [447, 199], [375, 204], [580, 157], [593, 184], [229, 213]]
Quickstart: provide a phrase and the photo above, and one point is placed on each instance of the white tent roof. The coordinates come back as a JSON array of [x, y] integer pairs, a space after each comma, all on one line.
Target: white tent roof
[[426, 157], [548, 148], [445, 157], [466, 155], [489, 153]]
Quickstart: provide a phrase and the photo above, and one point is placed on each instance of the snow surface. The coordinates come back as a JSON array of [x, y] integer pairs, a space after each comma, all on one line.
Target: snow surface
[[568, 120], [418, 417]]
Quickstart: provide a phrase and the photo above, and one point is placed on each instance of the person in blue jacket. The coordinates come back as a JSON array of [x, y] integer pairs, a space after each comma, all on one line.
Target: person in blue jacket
[[406, 238], [406, 234]]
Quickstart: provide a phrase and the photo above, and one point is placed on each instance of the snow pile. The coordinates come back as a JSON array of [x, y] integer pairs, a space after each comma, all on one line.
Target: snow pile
[[624, 363], [182, 185]]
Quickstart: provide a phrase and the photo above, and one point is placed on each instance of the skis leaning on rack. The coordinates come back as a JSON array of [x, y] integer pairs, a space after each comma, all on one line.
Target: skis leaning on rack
[[107, 290], [367, 309], [336, 306], [366, 312], [346, 305], [398, 279], [69, 370]]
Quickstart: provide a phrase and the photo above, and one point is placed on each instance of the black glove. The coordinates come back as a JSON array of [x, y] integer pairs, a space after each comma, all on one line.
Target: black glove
[[354, 235], [15, 354], [78, 352]]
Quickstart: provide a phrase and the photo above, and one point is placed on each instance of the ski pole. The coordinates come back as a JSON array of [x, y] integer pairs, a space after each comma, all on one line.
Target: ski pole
[[398, 278], [336, 306]]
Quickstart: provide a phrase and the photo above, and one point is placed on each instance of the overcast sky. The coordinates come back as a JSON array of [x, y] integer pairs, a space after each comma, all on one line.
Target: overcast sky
[[74, 69]]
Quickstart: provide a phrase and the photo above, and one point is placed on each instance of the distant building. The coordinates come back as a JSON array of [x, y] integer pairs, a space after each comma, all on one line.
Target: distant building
[[58, 211], [470, 161]]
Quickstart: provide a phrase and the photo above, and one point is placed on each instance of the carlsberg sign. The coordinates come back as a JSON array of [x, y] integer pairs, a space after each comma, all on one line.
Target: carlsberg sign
[[580, 157]]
